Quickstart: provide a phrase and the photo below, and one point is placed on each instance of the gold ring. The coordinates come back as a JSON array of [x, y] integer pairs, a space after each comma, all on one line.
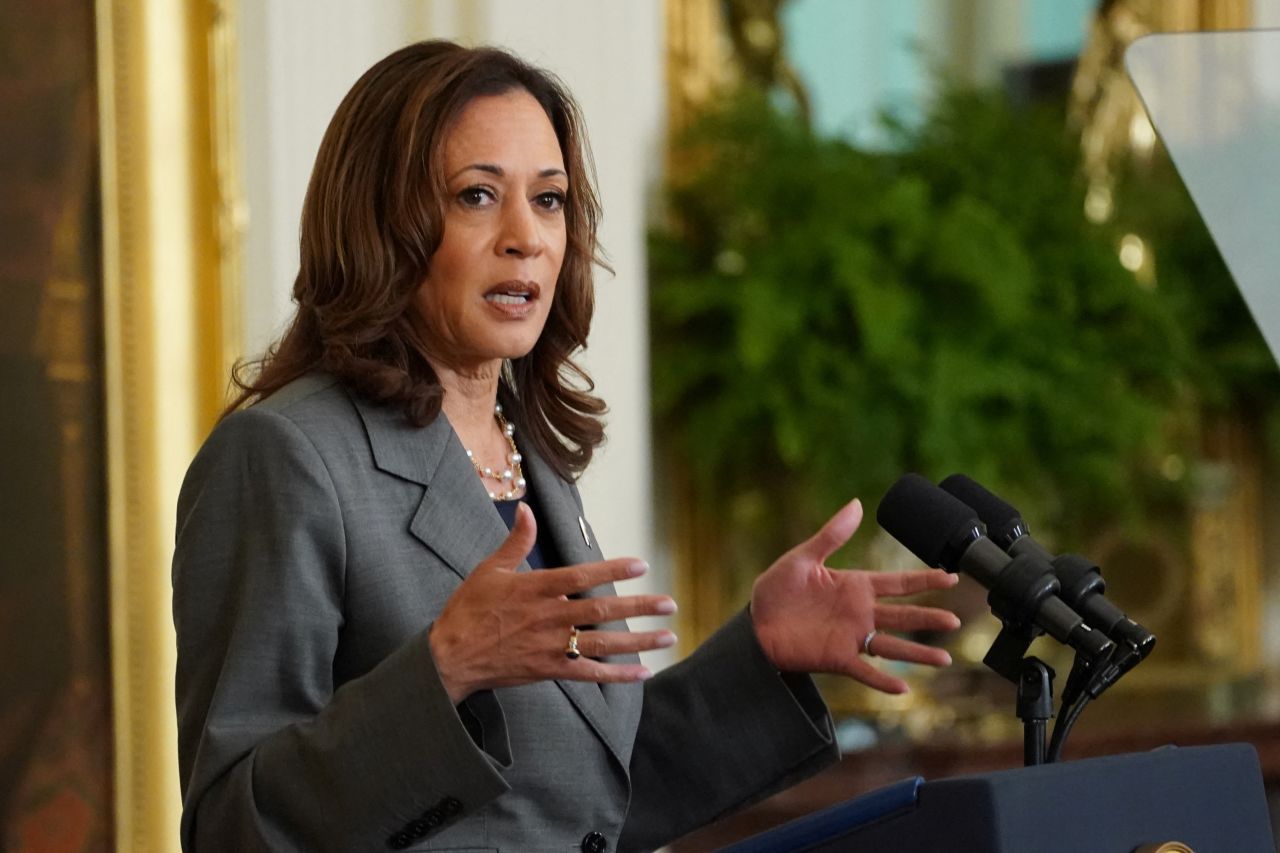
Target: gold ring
[[866, 642], [571, 648]]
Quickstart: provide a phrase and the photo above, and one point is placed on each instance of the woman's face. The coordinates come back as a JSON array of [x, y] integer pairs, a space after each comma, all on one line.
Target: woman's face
[[491, 281]]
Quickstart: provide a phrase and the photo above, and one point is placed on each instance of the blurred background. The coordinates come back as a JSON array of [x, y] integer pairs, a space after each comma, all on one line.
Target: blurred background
[[851, 238]]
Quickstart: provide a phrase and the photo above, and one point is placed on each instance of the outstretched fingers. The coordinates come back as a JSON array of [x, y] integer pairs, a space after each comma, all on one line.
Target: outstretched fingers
[[612, 608], [896, 648], [576, 579], [912, 583], [837, 531], [603, 644], [586, 669], [914, 617], [902, 618], [874, 678]]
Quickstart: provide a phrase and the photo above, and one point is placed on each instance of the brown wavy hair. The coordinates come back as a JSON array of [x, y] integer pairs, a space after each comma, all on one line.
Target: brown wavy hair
[[373, 217]]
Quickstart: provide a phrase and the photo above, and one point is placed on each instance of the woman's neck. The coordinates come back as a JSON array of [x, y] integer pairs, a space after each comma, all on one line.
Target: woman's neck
[[469, 398]]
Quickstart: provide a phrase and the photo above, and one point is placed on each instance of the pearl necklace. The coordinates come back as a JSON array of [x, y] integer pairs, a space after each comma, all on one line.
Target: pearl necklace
[[512, 477]]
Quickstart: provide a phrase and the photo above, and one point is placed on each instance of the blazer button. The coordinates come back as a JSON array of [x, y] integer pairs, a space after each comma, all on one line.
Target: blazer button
[[399, 841], [450, 806], [594, 842]]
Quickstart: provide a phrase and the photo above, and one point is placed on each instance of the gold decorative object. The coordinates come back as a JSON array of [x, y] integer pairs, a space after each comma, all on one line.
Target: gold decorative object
[[1104, 106], [712, 44], [755, 30], [171, 219], [1214, 597], [1226, 551], [698, 60]]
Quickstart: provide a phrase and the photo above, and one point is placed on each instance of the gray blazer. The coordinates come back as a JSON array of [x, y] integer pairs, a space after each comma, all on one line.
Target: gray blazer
[[318, 537]]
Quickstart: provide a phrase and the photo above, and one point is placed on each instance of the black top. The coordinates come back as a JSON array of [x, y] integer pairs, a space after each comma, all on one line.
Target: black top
[[543, 554]]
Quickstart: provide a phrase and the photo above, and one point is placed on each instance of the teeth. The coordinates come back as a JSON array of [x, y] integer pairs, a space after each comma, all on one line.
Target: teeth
[[507, 299]]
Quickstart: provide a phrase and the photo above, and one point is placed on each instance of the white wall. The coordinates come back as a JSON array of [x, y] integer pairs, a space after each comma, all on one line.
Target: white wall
[[299, 57], [297, 60], [1266, 14]]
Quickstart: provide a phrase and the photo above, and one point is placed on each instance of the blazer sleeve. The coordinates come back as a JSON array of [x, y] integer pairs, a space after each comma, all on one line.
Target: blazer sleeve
[[272, 756], [720, 730]]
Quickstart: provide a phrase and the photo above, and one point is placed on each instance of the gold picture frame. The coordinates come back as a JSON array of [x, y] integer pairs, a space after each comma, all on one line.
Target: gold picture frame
[[171, 219]]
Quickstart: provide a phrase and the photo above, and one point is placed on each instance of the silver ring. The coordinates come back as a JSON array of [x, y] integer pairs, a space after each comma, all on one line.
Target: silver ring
[[866, 642], [571, 648]]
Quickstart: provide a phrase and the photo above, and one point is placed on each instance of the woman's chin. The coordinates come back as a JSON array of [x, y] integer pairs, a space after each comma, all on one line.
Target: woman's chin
[[508, 349], [511, 343], [514, 353]]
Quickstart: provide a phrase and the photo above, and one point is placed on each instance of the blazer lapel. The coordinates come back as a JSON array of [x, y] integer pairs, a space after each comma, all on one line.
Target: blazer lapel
[[457, 521], [568, 529], [455, 518], [612, 709]]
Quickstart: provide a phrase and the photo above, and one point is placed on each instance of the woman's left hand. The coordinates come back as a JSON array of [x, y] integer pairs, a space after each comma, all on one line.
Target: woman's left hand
[[809, 618]]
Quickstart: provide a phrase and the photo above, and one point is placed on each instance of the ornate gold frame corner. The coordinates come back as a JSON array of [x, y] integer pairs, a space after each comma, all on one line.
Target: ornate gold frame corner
[[171, 223]]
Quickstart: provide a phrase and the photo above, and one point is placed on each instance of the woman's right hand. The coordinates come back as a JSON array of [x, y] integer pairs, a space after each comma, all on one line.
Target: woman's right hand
[[502, 627]]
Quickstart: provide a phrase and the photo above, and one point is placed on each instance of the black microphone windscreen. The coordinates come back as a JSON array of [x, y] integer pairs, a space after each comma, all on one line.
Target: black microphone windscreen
[[932, 524], [999, 516]]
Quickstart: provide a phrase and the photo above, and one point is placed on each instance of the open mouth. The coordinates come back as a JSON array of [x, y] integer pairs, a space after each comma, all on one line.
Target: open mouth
[[508, 298], [513, 293]]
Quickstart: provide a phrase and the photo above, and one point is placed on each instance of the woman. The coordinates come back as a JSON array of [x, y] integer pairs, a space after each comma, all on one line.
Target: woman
[[363, 661]]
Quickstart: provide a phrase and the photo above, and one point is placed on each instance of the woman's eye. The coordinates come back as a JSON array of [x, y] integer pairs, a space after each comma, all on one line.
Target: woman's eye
[[551, 201], [475, 196]]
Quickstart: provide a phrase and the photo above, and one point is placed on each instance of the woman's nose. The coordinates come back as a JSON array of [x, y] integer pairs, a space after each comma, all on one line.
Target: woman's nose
[[520, 235]]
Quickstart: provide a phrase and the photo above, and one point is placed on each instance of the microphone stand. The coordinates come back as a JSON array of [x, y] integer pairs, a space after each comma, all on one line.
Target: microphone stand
[[1034, 680], [1016, 596]]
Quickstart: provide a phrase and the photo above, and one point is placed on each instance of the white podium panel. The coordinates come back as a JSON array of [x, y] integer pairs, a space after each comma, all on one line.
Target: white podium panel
[[1214, 98]]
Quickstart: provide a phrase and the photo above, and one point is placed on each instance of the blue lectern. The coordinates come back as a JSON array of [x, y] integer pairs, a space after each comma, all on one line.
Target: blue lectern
[[1209, 798]]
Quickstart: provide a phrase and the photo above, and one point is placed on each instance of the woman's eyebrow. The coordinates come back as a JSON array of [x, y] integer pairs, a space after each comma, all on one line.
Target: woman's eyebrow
[[495, 169]]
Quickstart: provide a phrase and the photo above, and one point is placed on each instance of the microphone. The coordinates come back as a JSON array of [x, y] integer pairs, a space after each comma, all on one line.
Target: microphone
[[943, 532], [1082, 586]]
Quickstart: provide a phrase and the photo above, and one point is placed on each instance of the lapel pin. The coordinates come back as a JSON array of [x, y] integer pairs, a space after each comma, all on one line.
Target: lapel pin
[[582, 525]]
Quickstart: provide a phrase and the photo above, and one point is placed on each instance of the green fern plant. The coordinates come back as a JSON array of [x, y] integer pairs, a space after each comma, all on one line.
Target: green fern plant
[[825, 318]]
